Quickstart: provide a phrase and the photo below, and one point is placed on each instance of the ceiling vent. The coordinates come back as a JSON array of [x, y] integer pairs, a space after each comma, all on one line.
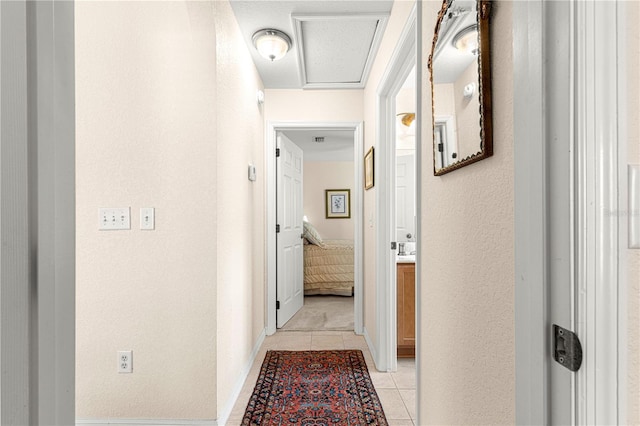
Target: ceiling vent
[[337, 51], [318, 139]]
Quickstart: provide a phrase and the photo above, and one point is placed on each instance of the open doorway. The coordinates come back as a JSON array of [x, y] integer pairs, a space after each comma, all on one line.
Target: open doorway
[[330, 169], [328, 182]]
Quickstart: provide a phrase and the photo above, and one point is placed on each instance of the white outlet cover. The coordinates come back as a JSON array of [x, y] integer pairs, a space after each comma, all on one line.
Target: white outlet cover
[[147, 218], [112, 219], [125, 361]]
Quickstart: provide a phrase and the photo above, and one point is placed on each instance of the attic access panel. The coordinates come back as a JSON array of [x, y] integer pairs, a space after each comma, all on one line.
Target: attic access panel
[[337, 51]]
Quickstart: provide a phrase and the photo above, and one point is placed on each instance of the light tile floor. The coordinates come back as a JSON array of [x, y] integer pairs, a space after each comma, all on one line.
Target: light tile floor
[[397, 390]]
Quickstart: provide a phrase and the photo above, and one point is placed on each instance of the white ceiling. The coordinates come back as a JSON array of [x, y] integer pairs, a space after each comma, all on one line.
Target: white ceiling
[[337, 145], [449, 61], [334, 42]]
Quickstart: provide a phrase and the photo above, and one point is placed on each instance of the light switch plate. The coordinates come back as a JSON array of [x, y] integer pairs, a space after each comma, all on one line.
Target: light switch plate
[[147, 218], [252, 172], [113, 219], [634, 206]]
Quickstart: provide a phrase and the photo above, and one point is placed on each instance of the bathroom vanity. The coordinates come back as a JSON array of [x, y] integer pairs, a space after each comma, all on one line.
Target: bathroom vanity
[[406, 285]]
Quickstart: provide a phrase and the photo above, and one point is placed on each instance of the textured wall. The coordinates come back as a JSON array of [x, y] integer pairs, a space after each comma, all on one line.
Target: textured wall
[[146, 137], [313, 105], [467, 339], [321, 175], [467, 123], [241, 204], [395, 25]]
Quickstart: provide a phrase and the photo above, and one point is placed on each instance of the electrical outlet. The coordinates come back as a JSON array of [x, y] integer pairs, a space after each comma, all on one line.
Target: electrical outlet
[[125, 361]]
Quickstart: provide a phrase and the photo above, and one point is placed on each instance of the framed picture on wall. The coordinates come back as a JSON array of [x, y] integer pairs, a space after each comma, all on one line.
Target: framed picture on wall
[[338, 203], [368, 169]]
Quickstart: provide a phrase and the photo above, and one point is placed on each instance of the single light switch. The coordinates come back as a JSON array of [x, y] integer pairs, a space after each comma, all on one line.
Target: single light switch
[[252, 172], [111, 219], [147, 218], [634, 206]]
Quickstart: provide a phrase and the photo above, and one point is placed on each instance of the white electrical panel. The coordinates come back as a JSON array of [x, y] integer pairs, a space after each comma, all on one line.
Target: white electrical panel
[[147, 218], [111, 219]]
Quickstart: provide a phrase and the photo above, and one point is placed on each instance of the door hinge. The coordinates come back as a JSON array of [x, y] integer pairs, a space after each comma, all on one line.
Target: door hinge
[[277, 304], [567, 350], [440, 147], [277, 228], [277, 152], [393, 245]]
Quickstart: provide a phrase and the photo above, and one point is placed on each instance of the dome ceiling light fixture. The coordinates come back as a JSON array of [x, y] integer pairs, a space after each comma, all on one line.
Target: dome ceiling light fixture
[[271, 44], [467, 40]]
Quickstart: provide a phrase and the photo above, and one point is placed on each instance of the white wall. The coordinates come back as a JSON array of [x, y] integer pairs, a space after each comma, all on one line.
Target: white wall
[[322, 175], [467, 275], [313, 105], [240, 206], [166, 118], [395, 25]]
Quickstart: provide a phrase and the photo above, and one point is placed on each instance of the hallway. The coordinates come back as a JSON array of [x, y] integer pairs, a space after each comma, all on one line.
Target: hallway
[[397, 390]]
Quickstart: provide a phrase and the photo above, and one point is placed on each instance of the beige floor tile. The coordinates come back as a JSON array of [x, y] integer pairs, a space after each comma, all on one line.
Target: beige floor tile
[[406, 364], [330, 333], [382, 380], [392, 404], [409, 398], [399, 422], [404, 380], [319, 343]]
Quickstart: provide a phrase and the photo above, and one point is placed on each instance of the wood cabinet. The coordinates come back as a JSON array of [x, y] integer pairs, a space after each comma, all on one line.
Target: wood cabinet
[[406, 310]]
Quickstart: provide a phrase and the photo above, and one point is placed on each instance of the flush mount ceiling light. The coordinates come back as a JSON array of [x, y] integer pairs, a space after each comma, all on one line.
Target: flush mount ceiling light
[[467, 40], [271, 44]]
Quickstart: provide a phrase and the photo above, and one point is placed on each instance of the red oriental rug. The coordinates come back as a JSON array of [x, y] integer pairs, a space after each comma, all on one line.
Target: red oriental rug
[[318, 388]]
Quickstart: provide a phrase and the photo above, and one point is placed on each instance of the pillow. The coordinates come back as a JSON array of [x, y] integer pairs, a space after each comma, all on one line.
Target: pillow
[[312, 235]]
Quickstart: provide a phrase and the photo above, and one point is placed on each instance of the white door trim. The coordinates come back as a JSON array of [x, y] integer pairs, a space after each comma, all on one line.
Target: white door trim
[[357, 199], [594, 131], [597, 214], [402, 61]]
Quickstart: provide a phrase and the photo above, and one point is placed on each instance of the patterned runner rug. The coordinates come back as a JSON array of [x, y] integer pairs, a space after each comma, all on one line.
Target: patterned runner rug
[[314, 388]]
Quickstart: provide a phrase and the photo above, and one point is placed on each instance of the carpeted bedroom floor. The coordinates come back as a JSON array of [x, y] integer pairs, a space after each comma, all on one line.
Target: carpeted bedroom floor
[[323, 313]]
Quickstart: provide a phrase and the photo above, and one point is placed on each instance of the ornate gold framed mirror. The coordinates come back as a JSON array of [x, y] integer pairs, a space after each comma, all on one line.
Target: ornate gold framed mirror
[[460, 74]]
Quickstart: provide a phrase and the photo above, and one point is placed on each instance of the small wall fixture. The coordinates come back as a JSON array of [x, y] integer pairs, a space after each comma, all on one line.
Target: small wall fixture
[[407, 118], [467, 40], [271, 44]]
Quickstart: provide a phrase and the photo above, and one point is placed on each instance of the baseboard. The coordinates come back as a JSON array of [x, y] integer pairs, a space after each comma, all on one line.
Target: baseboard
[[150, 422], [372, 349], [223, 416]]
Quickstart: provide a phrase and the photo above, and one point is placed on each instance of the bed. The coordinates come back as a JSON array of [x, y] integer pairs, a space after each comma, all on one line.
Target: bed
[[328, 268]]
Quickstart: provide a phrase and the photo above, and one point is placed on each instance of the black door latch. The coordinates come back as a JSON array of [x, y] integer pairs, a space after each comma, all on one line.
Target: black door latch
[[567, 350]]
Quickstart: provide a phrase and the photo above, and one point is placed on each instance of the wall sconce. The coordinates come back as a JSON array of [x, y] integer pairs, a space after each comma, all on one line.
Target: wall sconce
[[469, 90], [407, 118], [271, 44], [467, 40]]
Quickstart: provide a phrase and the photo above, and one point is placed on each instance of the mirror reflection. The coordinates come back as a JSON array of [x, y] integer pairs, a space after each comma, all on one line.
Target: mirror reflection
[[457, 86]]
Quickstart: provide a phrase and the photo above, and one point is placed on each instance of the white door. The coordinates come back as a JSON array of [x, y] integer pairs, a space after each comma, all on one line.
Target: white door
[[290, 291], [405, 198]]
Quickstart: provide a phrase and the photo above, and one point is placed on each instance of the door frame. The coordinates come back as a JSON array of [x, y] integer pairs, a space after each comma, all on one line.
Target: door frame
[[273, 127], [596, 129], [403, 59]]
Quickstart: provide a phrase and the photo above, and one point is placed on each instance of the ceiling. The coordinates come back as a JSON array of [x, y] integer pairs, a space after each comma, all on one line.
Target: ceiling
[[449, 62], [337, 145], [334, 42]]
